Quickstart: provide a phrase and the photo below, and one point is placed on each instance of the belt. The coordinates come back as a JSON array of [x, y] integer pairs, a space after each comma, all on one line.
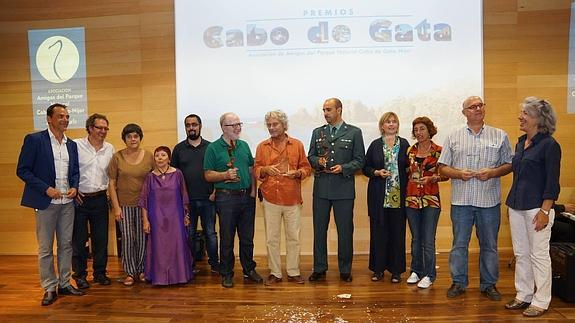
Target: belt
[[240, 192], [94, 194]]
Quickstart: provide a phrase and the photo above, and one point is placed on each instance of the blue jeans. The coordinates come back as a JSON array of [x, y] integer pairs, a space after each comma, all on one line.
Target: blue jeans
[[236, 213], [423, 226], [206, 211], [487, 221]]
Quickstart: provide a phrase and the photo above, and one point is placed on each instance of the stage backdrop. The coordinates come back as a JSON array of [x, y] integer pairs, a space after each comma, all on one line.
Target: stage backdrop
[[131, 77]]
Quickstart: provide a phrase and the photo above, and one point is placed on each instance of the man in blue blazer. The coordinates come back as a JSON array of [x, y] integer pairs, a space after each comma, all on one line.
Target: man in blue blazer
[[336, 153], [48, 165]]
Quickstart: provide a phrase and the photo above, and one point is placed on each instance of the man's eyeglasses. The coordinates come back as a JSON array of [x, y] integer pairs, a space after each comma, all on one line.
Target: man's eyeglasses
[[235, 125], [101, 128], [475, 106]]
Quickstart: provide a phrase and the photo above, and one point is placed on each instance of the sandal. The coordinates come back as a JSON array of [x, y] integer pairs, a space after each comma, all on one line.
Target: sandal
[[533, 311], [142, 277], [129, 281]]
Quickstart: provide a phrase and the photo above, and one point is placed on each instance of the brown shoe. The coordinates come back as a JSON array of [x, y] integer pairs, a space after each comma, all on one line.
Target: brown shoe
[[533, 311], [296, 279], [272, 280]]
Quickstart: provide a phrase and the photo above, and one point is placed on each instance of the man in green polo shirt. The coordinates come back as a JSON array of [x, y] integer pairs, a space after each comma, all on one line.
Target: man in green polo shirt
[[228, 164]]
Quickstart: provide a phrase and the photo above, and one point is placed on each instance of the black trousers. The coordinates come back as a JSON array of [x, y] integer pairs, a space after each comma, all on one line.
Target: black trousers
[[387, 242], [236, 214], [93, 212]]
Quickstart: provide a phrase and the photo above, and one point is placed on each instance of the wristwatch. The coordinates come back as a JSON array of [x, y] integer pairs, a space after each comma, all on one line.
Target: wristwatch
[[544, 212]]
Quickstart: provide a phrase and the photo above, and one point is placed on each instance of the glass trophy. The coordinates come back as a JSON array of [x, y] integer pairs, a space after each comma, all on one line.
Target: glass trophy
[[283, 165], [62, 186]]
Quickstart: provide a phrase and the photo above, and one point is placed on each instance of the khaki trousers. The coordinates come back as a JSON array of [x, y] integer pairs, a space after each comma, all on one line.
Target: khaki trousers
[[291, 216]]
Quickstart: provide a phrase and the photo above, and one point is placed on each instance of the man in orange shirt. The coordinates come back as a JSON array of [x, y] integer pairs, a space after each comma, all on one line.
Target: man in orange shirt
[[280, 165]]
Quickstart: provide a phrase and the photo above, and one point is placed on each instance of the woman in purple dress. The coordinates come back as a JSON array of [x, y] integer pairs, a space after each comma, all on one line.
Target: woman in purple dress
[[164, 202]]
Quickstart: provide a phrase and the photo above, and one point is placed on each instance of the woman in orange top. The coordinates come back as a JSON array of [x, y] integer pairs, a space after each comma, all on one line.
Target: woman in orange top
[[422, 201]]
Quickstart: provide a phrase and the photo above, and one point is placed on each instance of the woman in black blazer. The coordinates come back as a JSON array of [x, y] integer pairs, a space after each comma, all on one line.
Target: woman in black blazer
[[385, 165]]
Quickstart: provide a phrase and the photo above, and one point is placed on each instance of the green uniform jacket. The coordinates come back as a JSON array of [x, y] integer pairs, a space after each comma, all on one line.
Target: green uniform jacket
[[346, 149]]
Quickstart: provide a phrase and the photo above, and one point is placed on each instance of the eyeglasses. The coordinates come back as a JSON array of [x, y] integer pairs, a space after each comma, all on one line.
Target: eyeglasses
[[235, 125], [101, 128], [475, 106]]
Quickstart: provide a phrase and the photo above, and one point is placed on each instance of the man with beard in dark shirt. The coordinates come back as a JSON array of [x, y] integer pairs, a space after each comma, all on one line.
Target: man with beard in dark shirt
[[188, 156]]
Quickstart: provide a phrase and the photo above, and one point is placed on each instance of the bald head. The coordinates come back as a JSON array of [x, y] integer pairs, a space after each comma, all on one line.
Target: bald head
[[226, 116], [471, 99]]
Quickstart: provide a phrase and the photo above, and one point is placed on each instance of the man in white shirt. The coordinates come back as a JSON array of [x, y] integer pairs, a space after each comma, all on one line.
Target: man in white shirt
[[92, 203]]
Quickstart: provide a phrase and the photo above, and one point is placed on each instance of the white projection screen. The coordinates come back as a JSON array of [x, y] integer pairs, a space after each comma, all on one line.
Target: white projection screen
[[412, 57]]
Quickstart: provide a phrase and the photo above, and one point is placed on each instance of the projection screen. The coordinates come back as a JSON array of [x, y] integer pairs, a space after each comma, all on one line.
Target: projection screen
[[411, 57]]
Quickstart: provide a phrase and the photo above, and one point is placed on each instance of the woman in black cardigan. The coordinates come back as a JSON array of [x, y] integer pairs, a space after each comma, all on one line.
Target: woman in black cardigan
[[385, 165]]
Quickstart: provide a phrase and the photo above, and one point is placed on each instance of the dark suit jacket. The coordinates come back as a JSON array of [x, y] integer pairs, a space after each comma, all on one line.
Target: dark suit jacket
[[374, 160], [346, 149], [36, 168]]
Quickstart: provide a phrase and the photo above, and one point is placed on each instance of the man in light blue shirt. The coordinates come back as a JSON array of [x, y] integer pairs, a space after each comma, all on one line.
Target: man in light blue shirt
[[475, 157]]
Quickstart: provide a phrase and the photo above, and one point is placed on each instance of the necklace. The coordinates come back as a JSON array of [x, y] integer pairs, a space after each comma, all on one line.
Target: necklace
[[422, 151], [164, 173]]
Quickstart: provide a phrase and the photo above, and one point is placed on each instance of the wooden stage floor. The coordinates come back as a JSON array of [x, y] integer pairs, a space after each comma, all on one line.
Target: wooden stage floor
[[204, 300]]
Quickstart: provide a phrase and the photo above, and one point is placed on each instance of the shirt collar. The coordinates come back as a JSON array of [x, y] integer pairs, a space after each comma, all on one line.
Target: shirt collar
[[224, 143], [470, 131], [202, 142], [269, 140], [537, 138], [64, 138], [336, 126]]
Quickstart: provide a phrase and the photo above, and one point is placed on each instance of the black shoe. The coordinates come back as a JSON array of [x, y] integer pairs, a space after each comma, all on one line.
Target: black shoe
[[346, 277], [101, 279], [215, 269], [82, 283], [228, 281], [49, 298], [253, 276], [455, 290], [376, 277], [515, 304], [316, 277], [70, 290], [492, 293], [395, 278]]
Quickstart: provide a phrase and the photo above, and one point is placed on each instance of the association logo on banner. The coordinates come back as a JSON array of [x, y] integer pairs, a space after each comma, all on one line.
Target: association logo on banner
[[58, 73]]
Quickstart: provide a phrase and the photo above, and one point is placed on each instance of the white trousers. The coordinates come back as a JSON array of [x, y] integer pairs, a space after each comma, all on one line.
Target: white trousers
[[291, 215], [533, 263]]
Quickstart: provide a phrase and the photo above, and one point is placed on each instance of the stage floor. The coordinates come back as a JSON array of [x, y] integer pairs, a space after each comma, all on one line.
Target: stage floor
[[206, 300]]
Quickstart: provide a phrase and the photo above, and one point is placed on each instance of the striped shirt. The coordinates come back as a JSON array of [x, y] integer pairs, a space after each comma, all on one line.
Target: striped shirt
[[464, 149]]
